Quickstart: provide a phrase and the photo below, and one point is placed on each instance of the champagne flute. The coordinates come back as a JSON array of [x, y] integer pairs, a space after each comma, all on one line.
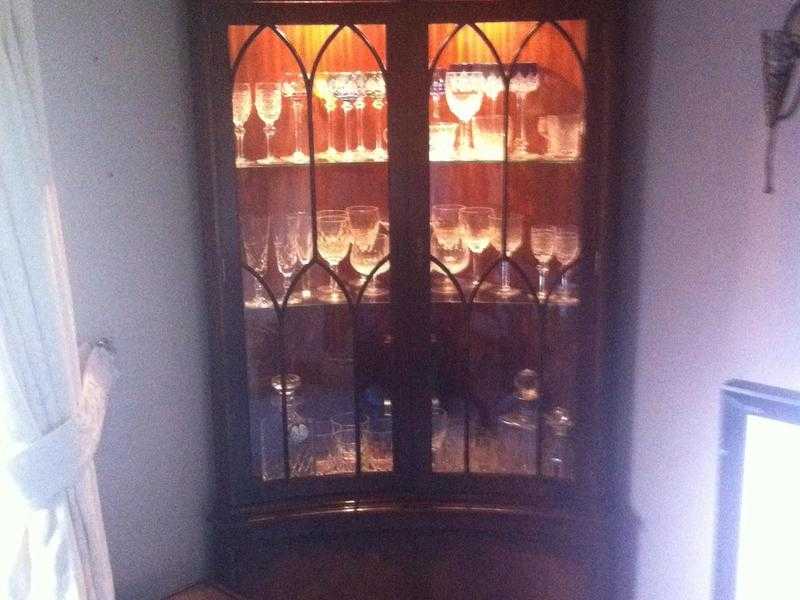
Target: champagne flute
[[513, 242], [333, 243], [359, 82], [242, 104], [305, 247], [365, 259], [567, 248], [344, 89], [294, 88], [364, 224], [268, 104], [524, 81], [376, 90], [322, 90], [255, 238], [542, 246], [437, 91], [286, 254], [447, 245], [464, 94], [476, 222]]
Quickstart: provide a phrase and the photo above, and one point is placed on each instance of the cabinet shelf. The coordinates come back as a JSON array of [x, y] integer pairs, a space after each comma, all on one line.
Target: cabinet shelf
[[544, 160]]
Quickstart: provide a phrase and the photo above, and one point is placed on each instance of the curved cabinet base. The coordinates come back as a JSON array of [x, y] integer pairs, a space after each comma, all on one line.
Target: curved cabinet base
[[414, 550]]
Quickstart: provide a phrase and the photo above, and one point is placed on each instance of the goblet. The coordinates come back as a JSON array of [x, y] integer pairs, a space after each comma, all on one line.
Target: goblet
[[476, 222], [513, 242], [242, 104], [255, 238], [524, 81], [365, 259], [286, 254], [294, 88], [305, 247], [447, 245], [376, 90], [567, 248], [464, 94], [542, 246], [333, 242], [364, 224], [344, 89], [268, 104], [322, 90], [360, 85], [437, 91]]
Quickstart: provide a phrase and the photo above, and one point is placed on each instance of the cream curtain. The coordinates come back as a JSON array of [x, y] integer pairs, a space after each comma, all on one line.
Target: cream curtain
[[52, 542]]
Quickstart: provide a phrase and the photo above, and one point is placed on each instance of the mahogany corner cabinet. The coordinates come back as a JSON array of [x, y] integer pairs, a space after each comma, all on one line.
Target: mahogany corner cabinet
[[407, 211]]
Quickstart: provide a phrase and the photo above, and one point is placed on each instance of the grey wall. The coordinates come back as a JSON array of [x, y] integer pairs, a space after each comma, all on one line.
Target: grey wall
[[116, 87], [718, 264]]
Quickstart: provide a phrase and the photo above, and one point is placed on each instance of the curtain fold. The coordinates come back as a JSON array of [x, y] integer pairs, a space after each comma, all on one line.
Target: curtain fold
[[53, 545]]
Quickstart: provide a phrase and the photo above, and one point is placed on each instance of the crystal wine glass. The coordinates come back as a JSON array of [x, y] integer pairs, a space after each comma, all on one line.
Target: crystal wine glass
[[255, 238], [294, 88], [376, 90], [359, 82], [476, 221], [286, 254], [557, 460], [567, 248], [464, 94], [322, 90], [438, 432], [298, 429], [493, 84], [513, 242], [333, 242], [447, 245], [305, 246], [364, 224], [437, 91], [524, 81], [364, 261], [268, 104], [542, 246], [344, 89], [242, 104]]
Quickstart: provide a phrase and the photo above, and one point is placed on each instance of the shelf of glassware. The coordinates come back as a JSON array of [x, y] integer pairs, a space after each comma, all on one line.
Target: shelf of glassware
[[535, 159]]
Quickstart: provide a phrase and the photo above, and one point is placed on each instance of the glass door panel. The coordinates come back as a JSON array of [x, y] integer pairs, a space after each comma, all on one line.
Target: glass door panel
[[310, 125], [506, 128]]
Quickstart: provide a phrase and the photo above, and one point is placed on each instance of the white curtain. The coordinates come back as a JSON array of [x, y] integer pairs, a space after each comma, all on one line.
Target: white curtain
[[52, 542]]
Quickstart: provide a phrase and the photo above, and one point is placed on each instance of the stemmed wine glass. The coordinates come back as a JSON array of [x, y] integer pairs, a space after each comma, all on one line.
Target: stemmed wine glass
[[365, 259], [437, 91], [255, 234], [567, 248], [524, 81], [345, 90], [542, 246], [268, 104], [447, 245], [286, 254], [476, 222], [333, 242], [438, 433], [364, 224], [513, 242], [305, 246], [242, 104], [464, 94], [294, 88], [376, 90], [360, 85], [322, 90], [493, 84]]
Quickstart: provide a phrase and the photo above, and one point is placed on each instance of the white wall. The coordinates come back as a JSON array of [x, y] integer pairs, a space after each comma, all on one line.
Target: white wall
[[718, 264], [116, 87]]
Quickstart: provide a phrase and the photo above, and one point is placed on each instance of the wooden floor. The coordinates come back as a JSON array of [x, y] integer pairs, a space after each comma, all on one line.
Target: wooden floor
[[204, 591]]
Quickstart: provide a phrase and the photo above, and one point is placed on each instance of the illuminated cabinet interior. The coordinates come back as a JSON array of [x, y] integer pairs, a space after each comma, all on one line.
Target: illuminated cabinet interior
[[408, 220]]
